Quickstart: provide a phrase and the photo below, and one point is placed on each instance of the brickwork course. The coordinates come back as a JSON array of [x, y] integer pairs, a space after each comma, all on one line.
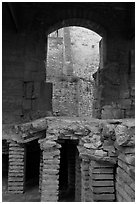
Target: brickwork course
[[104, 132]]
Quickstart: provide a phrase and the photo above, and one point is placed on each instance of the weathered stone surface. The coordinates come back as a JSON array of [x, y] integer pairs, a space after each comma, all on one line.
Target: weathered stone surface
[[104, 197], [125, 136], [103, 176], [108, 131], [129, 159], [103, 183], [103, 189], [90, 146], [100, 153]]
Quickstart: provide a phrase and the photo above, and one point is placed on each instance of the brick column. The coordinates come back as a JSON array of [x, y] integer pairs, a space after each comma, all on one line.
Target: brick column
[[85, 180], [16, 174], [77, 178], [40, 170], [101, 182], [50, 173]]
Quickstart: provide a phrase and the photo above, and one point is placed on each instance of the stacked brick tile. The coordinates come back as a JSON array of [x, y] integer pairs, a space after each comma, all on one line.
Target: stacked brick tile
[[16, 168], [104, 163], [50, 172], [102, 187], [85, 197]]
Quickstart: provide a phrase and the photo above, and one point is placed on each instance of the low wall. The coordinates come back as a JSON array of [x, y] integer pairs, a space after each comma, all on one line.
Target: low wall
[[100, 148], [105, 156]]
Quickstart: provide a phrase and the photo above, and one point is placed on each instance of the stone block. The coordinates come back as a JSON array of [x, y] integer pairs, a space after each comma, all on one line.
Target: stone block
[[46, 166], [125, 196], [119, 198], [125, 103], [103, 170], [102, 165], [130, 191], [16, 156], [15, 191], [129, 159], [103, 189], [15, 171], [108, 131], [29, 86], [54, 161], [100, 153], [104, 197], [16, 163], [124, 136], [102, 176], [16, 159], [103, 183], [50, 171]]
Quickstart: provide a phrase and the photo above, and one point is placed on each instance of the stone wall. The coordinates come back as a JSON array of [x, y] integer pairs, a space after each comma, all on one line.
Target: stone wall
[[65, 98], [16, 173], [115, 89], [26, 96], [125, 175], [100, 149]]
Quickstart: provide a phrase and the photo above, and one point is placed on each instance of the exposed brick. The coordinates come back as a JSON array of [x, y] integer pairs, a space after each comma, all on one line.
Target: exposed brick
[[103, 189], [103, 176], [103, 183], [104, 197]]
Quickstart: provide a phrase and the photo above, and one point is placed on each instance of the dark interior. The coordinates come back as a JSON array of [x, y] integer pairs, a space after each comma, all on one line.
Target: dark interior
[[32, 163], [66, 173]]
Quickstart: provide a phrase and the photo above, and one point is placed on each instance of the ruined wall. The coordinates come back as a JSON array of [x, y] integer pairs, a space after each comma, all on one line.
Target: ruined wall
[[125, 174], [115, 82], [72, 58], [26, 96], [105, 157]]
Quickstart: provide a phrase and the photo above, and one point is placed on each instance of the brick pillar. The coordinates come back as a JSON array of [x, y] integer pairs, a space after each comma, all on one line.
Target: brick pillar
[[85, 180], [16, 174], [77, 178], [50, 173], [40, 170], [101, 182]]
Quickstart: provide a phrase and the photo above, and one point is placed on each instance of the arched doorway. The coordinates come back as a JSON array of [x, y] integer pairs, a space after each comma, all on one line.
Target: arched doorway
[[74, 54]]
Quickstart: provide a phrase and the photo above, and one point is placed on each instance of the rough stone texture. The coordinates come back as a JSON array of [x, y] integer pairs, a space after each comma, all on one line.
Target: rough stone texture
[[125, 177], [26, 96], [16, 173], [85, 197], [107, 141], [98, 141]]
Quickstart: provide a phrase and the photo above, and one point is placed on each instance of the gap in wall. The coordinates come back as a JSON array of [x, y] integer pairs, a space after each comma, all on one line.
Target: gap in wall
[[32, 165], [74, 54], [67, 170]]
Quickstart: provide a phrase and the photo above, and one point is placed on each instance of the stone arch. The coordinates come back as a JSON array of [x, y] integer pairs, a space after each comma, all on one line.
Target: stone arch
[[85, 23], [78, 22]]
